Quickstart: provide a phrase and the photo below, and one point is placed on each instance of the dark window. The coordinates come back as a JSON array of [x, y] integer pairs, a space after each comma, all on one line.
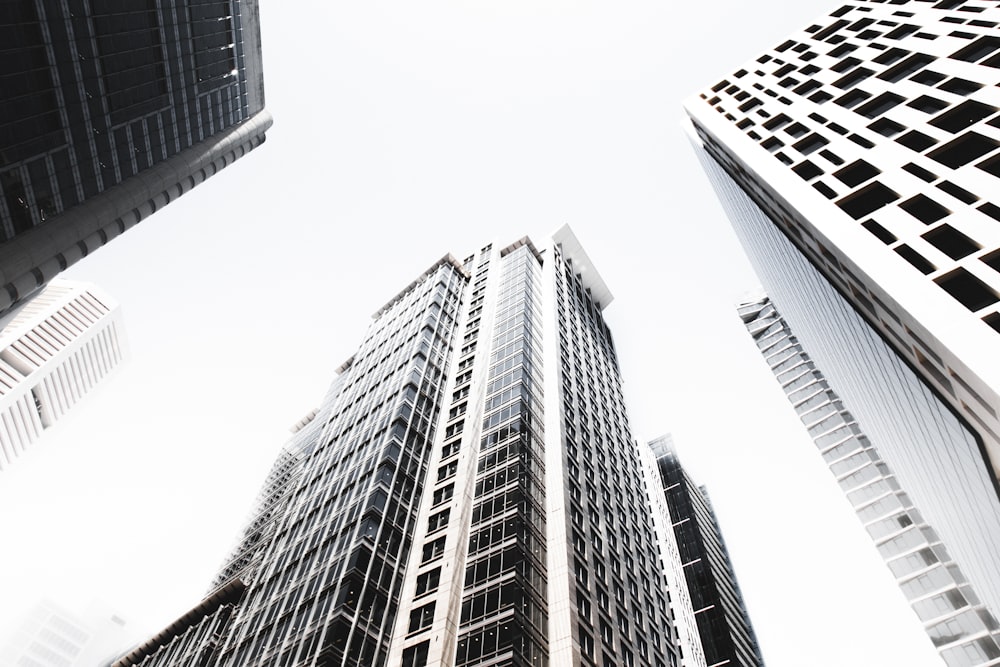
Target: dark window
[[880, 232], [852, 98], [879, 105], [422, 617], [927, 77], [901, 32], [993, 319], [824, 189], [916, 141], [958, 193], [833, 158], [927, 104], [920, 172], [960, 86], [907, 67], [969, 290], [991, 165], [821, 97], [856, 173], [777, 122], [991, 210], [796, 129], [916, 259], [963, 150], [961, 117], [977, 50], [811, 143], [845, 64], [867, 200], [886, 127], [924, 209], [428, 581], [890, 56], [854, 78], [992, 260], [951, 242], [861, 141], [416, 656]]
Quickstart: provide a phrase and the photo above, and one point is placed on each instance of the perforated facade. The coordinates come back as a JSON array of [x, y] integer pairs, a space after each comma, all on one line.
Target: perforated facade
[[872, 140]]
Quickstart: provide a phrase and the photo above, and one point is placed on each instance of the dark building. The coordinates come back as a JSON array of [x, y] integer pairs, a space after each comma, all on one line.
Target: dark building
[[727, 637], [112, 108], [468, 493]]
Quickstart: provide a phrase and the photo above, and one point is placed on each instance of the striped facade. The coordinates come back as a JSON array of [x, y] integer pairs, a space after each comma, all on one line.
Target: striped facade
[[53, 351]]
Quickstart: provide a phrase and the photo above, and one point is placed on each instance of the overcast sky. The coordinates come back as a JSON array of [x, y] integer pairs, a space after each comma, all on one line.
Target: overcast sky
[[405, 130]]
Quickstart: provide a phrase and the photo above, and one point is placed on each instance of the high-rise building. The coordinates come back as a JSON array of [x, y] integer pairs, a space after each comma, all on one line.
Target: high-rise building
[[52, 636], [54, 348], [961, 627], [468, 493], [871, 140], [112, 109], [723, 625], [859, 177]]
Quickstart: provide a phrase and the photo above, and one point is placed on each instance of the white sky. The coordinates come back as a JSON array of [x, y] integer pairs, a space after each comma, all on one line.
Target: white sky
[[404, 130]]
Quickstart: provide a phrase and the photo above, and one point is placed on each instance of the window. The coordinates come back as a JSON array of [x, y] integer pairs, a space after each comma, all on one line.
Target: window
[[916, 141], [807, 170], [886, 127], [927, 104], [416, 656], [443, 494], [924, 209], [963, 150], [878, 106], [951, 242], [867, 200], [433, 550], [811, 143], [961, 117], [970, 291], [917, 260], [422, 617], [438, 521], [856, 173], [428, 581]]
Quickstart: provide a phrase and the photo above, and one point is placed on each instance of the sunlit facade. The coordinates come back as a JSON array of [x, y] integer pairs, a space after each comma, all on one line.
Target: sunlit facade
[[856, 161], [468, 493], [111, 111]]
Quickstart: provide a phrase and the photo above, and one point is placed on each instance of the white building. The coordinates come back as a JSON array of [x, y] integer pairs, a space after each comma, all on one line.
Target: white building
[[53, 350]]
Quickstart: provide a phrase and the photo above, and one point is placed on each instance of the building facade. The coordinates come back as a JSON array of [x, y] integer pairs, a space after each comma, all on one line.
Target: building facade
[[871, 139], [468, 493], [52, 636], [113, 110], [962, 628], [859, 182], [54, 349], [723, 625]]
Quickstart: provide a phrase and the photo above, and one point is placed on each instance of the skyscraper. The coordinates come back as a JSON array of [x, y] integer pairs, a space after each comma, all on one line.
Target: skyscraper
[[858, 179], [962, 628], [723, 625], [112, 109], [51, 636], [54, 349], [870, 140], [467, 493]]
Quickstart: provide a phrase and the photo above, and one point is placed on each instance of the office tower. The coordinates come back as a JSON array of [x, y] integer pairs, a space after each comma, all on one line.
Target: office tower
[[51, 636], [961, 627], [54, 349], [113, 109], [723, 625], [839, 176], [468, 493], [871, 139]]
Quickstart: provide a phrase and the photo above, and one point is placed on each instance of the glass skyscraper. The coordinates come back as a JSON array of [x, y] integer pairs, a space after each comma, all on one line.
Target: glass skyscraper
[[856, 163], [468, 493], [111, 110], [964, 630], [723, 625]]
